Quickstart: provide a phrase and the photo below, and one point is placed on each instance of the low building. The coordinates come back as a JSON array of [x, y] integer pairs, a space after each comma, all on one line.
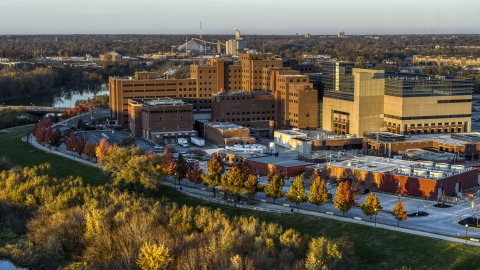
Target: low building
[[465, 145], [234, 156], [425, 179], [225, 133], [289, 167], [162, 120]]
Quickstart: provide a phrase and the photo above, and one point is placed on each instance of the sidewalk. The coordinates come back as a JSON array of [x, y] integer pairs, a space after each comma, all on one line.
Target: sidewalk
[[203, 194]]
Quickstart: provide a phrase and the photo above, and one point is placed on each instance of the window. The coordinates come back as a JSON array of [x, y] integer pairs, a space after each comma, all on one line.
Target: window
[[308, 115]]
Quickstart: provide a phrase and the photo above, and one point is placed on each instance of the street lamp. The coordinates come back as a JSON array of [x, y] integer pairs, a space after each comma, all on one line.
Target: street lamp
[[375, 217], [466, 227], [73, 153], [298, 204], [50, 143]]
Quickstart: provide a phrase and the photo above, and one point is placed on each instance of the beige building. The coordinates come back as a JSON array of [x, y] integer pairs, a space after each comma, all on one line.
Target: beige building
[[447, 60], [399, 105]]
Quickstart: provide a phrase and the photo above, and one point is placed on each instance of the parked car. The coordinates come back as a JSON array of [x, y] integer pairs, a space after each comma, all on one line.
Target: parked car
[[158, 147]]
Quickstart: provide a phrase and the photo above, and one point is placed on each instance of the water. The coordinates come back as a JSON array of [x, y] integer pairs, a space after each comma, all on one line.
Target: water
[[62, 98], [6, 265], [69, 99]]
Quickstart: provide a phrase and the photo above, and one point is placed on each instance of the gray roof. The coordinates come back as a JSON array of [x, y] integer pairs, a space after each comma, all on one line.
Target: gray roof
[[280, 162]]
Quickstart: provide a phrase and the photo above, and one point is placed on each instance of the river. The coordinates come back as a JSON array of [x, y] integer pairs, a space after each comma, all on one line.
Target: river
[[61, 98]]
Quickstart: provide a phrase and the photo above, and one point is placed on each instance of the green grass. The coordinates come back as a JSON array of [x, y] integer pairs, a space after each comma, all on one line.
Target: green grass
[[375, 248], [24, 154]]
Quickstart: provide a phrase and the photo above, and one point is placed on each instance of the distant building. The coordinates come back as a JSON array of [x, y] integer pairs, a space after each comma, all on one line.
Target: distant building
[[447, 60], [235, 46], [288, 167], [111, 57], [341, 34]]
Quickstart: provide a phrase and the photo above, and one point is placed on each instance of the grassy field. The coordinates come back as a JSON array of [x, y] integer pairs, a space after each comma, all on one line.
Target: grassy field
[[24, 154], [374, 248]]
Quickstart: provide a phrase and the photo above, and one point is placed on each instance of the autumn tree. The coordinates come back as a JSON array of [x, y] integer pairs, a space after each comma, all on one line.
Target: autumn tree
[[233, 181], [215, 170], [371, 206], [80, 146], [102, 149], [71, 142], [251, 185], [153, 257], [194, 173], [297, 192], [180, 169], [56, 138], [343, 200], [167, 164], [89, 150], [274, 189], [399, 212], [318, 192]]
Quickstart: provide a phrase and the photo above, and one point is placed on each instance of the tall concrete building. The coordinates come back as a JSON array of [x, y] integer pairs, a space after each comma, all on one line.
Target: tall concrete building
[[235, 46], [400, 105]]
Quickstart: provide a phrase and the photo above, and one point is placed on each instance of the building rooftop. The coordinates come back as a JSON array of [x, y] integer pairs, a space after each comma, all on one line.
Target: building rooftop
[[242, 153], [159, 102], [373, 164], [224, 125], [281, 162], [421, 154], [331, 155], [455, 139], [423, 169]]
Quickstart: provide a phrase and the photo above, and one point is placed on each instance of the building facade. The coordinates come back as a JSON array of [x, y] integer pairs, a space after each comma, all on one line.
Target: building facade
[[161, 120], [403, 104]]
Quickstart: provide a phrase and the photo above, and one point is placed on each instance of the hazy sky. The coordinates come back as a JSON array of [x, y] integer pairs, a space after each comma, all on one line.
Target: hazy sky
[[250, 16]]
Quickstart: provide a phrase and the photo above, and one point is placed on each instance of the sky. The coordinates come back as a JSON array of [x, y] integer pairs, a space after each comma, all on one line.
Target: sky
[[264, 17]]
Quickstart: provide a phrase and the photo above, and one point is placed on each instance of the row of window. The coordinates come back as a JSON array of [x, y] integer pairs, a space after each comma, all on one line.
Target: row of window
[[243, 113], [426, 117], [167, 111], [248, 119]]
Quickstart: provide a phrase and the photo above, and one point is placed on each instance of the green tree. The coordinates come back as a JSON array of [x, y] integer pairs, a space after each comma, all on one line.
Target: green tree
[[153, 257], [297, 192], [322, 254], [399, 212], [180, 170], [371, 206], [318, 192], [194, 173], [275, 186], [343, 200]]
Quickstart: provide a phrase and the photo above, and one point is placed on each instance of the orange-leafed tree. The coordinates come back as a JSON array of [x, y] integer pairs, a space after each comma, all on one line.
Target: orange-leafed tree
[[102, 149], [71, 142], [89, 150], [167, 164], [344, 197]]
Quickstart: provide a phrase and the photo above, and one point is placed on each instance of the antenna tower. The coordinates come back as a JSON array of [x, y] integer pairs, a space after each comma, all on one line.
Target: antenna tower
[[201, 46]]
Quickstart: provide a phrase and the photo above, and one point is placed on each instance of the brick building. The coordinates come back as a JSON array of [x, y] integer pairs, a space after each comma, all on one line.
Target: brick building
[[161, 120], [289, 167], [254, 110]]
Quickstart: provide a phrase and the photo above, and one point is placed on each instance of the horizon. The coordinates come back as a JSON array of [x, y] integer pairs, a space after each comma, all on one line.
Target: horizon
[[280, 17]]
